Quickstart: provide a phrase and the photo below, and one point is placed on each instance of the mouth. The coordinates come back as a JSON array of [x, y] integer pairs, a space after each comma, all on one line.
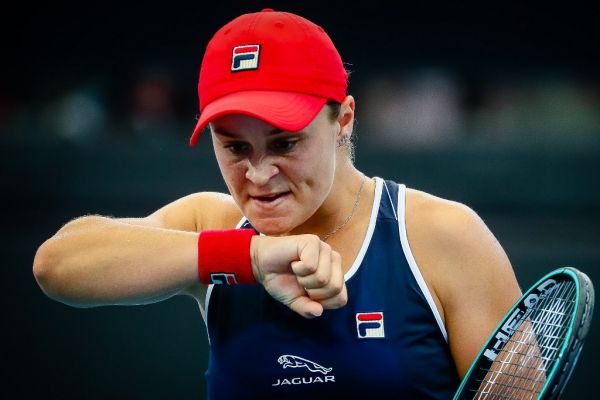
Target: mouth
[[270, 200]]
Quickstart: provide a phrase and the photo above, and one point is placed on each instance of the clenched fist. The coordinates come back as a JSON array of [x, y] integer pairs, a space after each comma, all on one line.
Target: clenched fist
[[301, 271]]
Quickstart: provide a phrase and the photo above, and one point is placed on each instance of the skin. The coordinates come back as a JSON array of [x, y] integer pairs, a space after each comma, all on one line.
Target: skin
[[95, 260]]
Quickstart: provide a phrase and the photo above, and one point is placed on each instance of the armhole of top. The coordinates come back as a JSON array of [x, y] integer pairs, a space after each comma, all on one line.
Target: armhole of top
[[209, 290], [411, 259]]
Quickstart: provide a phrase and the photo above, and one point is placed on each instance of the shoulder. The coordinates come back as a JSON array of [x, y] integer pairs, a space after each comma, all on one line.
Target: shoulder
[[199, 211], [216, 210], [448, 223], [451, 242]]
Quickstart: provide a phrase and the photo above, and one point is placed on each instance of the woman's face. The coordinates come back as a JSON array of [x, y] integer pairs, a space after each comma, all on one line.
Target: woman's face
[[279, 179]]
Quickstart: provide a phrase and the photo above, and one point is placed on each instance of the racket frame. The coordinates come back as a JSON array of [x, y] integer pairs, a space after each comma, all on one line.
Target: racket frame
[[570, 348]]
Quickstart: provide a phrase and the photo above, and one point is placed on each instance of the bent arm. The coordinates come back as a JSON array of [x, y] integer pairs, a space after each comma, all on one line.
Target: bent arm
[[95, 260]]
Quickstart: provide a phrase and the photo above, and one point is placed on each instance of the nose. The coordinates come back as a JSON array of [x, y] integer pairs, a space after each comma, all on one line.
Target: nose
[[261, 171]]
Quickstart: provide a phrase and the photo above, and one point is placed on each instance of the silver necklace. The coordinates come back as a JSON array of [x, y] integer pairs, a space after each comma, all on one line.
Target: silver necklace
[[327, 236]]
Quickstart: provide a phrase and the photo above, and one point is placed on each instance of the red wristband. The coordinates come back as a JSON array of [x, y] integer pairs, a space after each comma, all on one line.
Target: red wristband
[[224, 256]]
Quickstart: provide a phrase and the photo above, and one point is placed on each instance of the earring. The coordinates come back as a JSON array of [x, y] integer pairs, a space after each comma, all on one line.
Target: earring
[[342, 141]]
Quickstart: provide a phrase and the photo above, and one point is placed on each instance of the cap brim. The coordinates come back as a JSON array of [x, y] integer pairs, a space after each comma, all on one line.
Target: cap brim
[[285, 110]]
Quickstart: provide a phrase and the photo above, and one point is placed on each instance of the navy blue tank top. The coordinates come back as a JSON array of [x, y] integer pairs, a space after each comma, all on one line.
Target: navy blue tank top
[[387, 342]]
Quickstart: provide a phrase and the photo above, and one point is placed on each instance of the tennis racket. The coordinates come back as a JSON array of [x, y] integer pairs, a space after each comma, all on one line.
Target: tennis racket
[[532, 352]]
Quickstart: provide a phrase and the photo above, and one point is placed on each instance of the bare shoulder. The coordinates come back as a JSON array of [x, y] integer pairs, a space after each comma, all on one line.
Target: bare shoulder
[[464, 266], [215, 210], [455, 245], [435, 211], [194, 212]]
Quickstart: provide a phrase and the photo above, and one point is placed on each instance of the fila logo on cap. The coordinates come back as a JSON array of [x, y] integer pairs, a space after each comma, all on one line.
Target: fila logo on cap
[[245, 57], [370, 325]]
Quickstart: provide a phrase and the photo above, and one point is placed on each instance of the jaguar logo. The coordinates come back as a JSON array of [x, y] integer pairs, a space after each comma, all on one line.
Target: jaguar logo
[[290, 361]]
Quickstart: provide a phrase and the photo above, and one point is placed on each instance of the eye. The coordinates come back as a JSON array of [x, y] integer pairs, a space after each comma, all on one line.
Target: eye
[[284, 145], [237, 148]]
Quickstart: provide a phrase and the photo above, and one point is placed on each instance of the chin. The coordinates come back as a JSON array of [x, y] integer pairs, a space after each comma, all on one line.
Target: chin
[[271, 226]]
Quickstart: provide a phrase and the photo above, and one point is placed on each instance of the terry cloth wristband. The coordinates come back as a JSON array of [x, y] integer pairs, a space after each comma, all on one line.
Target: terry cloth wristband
[[224, 256]]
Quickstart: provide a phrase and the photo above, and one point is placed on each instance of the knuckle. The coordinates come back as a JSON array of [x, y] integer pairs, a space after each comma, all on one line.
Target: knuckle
[[344, 297], [337, 286], [325, 247], [336, 257], [322, 279], [310, 267], [343, 301]]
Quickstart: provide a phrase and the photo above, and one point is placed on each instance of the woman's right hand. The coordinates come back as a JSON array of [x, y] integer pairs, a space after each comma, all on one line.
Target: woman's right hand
[[300, 271]]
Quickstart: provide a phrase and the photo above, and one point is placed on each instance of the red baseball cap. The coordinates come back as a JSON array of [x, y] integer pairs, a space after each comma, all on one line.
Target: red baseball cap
[[271, 65]]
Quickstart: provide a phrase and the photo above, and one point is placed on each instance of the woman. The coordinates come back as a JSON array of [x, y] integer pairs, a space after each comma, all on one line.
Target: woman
[[356, 286]]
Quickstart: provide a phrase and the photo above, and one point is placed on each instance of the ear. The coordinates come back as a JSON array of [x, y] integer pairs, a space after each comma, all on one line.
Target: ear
[[346, 118]]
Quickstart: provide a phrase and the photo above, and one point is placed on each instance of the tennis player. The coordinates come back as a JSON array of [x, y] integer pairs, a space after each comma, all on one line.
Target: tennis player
[[314, 280]]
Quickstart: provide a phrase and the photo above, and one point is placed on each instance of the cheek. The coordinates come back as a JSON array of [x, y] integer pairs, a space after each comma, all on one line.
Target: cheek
[[324, 159], [317, 171], [233, 174]]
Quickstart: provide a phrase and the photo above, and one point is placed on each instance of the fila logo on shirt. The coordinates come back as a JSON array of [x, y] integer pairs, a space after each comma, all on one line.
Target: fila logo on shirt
[[370, 325], [245, 57]]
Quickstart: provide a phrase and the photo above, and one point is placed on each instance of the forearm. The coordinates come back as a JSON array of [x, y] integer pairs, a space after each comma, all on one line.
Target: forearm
[[96, 261]]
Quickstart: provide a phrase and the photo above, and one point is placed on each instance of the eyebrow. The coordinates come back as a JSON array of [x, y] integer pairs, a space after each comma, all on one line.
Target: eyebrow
[[222, 132]]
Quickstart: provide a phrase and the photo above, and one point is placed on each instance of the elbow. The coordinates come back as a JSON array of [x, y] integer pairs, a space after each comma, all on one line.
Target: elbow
[[47, 273], [45, 268], [51, 260]]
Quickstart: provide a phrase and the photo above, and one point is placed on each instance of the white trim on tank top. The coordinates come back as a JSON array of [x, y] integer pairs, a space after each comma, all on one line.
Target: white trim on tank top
[[411, 259], [372, 222]]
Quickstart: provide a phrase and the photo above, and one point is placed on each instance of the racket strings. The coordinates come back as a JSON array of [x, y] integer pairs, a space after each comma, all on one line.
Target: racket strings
[[520, 369], [540, 331]]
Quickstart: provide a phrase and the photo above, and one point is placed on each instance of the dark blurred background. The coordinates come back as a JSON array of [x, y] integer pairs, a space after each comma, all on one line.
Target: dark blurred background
[[494, 105]]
